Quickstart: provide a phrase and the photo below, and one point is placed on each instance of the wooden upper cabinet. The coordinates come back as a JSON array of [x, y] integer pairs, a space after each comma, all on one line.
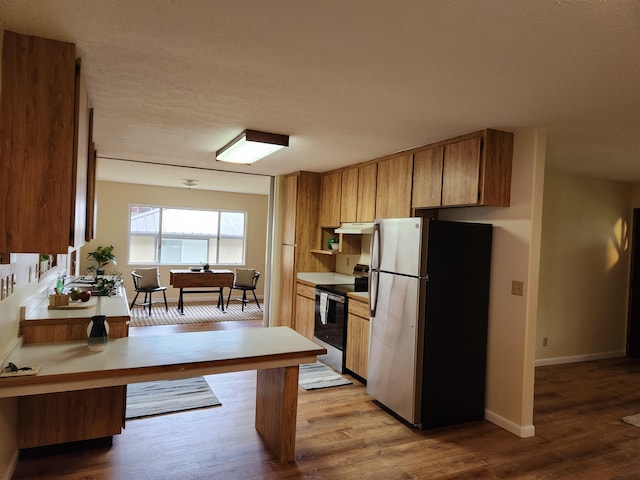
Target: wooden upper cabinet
[[393, 199], [91, 226], [427, 178], [290, 202], [40, 177], [461, 173], [477, 170], [330, 198], [349, 203], [367, 188], [82, 144]]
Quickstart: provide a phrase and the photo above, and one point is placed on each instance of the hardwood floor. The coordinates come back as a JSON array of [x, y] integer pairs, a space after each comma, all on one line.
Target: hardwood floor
[[342, 434]]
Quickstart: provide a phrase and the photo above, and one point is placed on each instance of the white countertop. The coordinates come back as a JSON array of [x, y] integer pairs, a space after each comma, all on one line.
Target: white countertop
[[326, 278], [361, 295], [37, 307], [71, 366]]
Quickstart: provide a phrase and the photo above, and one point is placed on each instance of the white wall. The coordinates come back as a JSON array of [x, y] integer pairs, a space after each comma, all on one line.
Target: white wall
[[24, 266], [584, 271], [515, 256]]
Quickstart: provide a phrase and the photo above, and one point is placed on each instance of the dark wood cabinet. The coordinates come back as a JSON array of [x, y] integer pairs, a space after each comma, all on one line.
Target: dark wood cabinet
[[44, 146]]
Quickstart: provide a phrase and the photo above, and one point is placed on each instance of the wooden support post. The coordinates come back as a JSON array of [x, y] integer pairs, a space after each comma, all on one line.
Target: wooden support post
[[276, 410]]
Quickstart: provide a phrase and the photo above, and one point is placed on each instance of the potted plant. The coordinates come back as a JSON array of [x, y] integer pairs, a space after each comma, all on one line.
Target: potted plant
[[44, 262], [102, 256]]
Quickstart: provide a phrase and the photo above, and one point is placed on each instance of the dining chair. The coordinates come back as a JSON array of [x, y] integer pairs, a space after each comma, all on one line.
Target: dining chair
[[147, 281], [245, 279]]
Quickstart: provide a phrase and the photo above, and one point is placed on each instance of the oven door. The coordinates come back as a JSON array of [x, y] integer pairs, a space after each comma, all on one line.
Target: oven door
[[330, 318]]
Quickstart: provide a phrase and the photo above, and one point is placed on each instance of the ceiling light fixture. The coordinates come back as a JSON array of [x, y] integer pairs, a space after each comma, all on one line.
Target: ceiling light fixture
[[250, 146], [189, 183]]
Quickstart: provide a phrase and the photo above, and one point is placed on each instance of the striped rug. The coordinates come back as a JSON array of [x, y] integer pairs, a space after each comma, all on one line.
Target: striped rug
[[167, 396], [317, 375], [195, 311]]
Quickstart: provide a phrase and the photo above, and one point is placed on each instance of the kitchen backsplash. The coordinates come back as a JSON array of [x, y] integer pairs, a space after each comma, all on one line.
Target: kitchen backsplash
[[345, 263]]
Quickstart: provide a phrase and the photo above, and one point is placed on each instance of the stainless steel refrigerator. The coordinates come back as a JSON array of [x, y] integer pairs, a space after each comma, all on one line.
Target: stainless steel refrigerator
[[429, 294]]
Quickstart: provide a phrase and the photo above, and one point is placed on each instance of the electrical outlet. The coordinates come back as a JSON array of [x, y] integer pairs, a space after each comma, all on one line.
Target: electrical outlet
[[517, 288], [545, 341], [348, 261]]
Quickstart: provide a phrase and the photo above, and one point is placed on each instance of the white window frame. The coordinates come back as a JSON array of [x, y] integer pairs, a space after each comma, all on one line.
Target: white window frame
[[159, 236]]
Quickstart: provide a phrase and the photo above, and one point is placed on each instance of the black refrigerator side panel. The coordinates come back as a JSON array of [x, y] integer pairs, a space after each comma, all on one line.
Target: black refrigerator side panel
[[455, 341]]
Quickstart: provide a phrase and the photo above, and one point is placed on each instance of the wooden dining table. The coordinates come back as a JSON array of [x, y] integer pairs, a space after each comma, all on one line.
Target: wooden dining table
[[194, 282]]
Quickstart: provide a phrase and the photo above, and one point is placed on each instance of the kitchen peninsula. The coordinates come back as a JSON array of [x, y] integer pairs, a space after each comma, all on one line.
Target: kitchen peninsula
[[275, 352]]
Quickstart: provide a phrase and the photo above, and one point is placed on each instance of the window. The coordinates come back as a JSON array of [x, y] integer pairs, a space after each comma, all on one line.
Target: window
[[175, 236]]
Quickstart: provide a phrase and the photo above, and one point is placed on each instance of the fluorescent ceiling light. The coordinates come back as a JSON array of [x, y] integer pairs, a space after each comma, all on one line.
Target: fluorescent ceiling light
[[250, 146]]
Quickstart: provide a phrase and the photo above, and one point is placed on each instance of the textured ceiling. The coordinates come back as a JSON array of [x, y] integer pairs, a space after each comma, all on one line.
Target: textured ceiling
[[172, 81]]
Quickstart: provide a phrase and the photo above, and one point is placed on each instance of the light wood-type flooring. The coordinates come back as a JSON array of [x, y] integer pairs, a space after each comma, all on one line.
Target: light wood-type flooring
[[342, 434]]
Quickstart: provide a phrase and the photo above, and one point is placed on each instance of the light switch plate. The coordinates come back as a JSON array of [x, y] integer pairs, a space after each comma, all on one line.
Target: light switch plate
[[517, 287]]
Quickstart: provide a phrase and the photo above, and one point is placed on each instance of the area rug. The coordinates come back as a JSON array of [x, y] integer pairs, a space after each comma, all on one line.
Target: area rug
[[632, 420], [318, 375], [166, 396], [195, 311]]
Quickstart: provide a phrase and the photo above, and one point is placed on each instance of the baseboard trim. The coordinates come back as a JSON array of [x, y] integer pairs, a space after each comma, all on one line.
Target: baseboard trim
[[541, 362], [522, 431]]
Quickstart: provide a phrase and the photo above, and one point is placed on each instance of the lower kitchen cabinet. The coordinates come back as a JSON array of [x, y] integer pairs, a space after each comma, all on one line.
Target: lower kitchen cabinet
[[305, 310], [56, 418], [357, 348]]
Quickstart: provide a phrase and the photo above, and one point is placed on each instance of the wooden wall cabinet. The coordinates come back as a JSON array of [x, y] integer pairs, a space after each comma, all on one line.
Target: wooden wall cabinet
[[357, 346], [395, 175], [367, 190], [330, 199], [43, 146], [349, 195], [477, 170], [474, 169], [427, 178], [305, 310], [359, 194]]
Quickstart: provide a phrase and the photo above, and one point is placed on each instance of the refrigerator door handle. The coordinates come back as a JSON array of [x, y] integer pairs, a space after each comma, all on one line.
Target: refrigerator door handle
[[375, 247], [374, 278]]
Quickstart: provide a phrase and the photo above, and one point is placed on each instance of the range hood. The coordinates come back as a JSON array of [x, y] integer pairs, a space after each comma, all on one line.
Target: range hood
[[355, 228]]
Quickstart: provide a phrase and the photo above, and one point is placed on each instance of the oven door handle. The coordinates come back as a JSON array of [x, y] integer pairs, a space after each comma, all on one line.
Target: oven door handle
[[331, 296]]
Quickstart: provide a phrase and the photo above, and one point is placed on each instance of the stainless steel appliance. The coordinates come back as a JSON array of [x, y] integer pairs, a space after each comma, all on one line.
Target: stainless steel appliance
[[330, 325], [429, 307]]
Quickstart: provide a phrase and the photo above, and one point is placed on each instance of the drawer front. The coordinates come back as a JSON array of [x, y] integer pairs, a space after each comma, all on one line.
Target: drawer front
[[306, 291], [361, 309]]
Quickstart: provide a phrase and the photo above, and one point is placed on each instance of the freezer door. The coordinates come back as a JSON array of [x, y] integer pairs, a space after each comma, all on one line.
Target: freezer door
[[395, 353], [399, 245]]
